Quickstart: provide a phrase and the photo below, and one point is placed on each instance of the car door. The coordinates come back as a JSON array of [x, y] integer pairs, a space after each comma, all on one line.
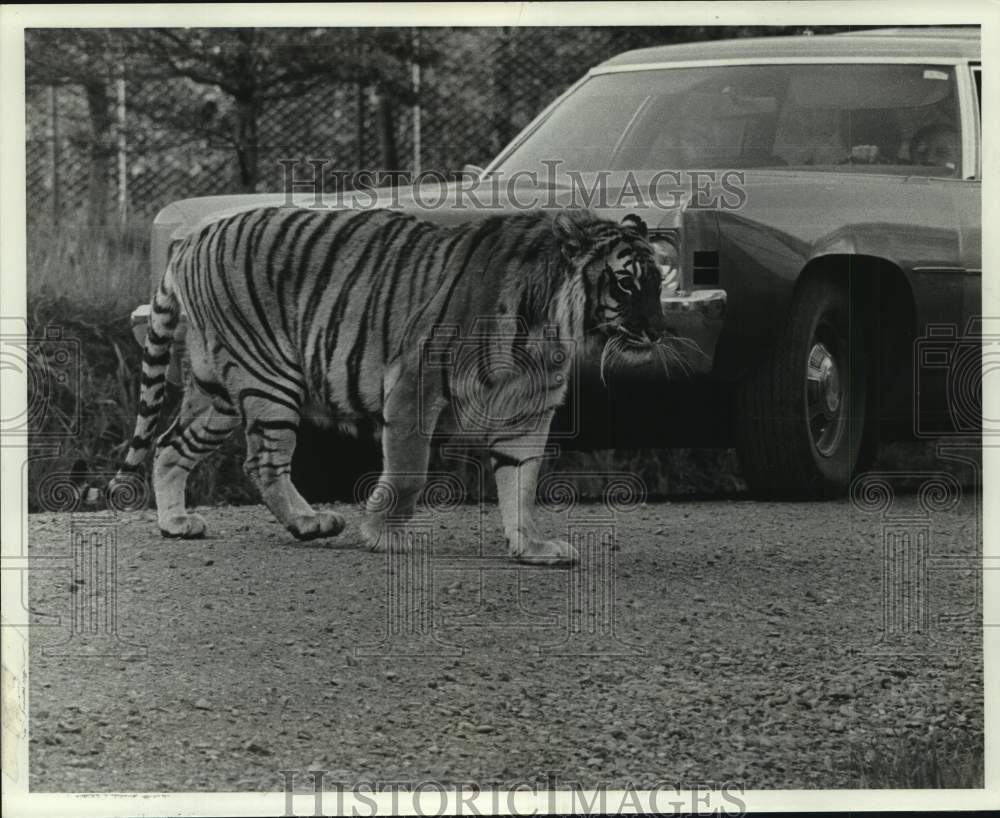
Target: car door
[[965, 392], [948, 350], [965, 399]]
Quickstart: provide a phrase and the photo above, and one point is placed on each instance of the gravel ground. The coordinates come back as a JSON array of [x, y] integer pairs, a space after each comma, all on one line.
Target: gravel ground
[[723, 642]]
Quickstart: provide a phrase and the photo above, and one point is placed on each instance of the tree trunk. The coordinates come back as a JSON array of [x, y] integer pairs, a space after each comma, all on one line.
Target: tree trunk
[[386, 127], [503, 101], [362, 126], [102, 152], [247, 144], [247, 137]]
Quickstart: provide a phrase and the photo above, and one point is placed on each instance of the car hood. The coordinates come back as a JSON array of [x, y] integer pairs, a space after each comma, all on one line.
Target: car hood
[[451, 203], [657, 198]]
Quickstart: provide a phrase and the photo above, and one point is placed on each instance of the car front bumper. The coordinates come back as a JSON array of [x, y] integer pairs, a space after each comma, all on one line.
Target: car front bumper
[[697, 316]]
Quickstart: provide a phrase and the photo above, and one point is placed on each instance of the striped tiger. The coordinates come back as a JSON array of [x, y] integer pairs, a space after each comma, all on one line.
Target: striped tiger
[[297, 313]]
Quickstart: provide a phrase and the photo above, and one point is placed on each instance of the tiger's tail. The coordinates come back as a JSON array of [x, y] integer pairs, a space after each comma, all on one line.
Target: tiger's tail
[[164, 316]]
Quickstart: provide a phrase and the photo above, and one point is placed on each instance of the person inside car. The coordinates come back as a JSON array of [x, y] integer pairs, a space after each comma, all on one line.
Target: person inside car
[[936, 145]]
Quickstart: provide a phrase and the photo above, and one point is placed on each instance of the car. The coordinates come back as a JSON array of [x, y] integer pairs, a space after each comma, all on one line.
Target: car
[[815, 206]]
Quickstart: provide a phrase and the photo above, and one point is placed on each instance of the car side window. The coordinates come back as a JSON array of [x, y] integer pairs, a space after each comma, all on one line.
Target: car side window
[[901, 117]]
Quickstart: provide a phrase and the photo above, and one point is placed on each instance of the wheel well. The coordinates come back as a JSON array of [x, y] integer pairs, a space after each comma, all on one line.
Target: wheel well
[[883, 298]]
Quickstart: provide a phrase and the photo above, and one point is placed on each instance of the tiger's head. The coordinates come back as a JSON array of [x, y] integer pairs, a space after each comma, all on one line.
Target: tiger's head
[[621, 282]]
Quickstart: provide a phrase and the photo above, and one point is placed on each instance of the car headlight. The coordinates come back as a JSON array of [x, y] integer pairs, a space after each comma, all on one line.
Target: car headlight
[[668, 259]]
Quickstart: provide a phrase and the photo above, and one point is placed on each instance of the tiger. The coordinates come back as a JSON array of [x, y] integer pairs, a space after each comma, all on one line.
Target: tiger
[[298, 313]]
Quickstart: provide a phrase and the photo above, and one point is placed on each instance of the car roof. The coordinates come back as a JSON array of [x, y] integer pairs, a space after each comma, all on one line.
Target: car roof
[[919, 43]]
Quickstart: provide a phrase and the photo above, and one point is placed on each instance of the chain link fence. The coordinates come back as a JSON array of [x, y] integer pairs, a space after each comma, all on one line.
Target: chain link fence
[[471, 91]]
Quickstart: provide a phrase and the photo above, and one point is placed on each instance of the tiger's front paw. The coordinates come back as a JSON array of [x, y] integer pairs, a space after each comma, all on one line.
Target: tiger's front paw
[[380, 536], [182, 526], [373, 532], [315, 526], [543, 552]]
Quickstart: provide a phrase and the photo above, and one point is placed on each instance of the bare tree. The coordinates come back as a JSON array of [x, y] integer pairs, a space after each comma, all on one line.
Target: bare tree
[[258, 68], [87, 58], [218, 84]]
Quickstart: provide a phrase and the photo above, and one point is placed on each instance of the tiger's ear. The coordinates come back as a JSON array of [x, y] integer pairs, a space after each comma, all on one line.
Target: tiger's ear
[[637, 224], [569, 232]]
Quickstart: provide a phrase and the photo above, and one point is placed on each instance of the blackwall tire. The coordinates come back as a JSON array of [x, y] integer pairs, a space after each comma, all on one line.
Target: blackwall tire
[[800, 415]]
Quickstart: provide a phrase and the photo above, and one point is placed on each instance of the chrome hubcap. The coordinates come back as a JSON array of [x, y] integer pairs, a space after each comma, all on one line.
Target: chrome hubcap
[[824, 398]]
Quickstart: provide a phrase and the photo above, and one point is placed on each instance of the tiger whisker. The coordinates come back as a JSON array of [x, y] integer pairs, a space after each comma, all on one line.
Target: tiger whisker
[[611, 348], [604, 358], [688, 342], [599, 327], [669, 354], [683, 361], [662, 355]]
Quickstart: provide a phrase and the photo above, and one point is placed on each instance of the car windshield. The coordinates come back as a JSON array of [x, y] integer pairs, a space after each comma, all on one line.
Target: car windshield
[[892, 118]]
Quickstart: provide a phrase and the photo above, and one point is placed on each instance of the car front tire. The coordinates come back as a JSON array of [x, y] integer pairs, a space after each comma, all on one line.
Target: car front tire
[[800, 416]]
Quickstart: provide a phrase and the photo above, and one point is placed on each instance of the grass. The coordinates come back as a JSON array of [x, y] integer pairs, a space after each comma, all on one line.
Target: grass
[[104, 267], [81, 430], [951, 760]]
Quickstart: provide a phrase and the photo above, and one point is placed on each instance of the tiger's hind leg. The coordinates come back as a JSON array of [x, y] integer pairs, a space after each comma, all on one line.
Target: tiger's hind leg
[[203, 424], [271, 430]]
